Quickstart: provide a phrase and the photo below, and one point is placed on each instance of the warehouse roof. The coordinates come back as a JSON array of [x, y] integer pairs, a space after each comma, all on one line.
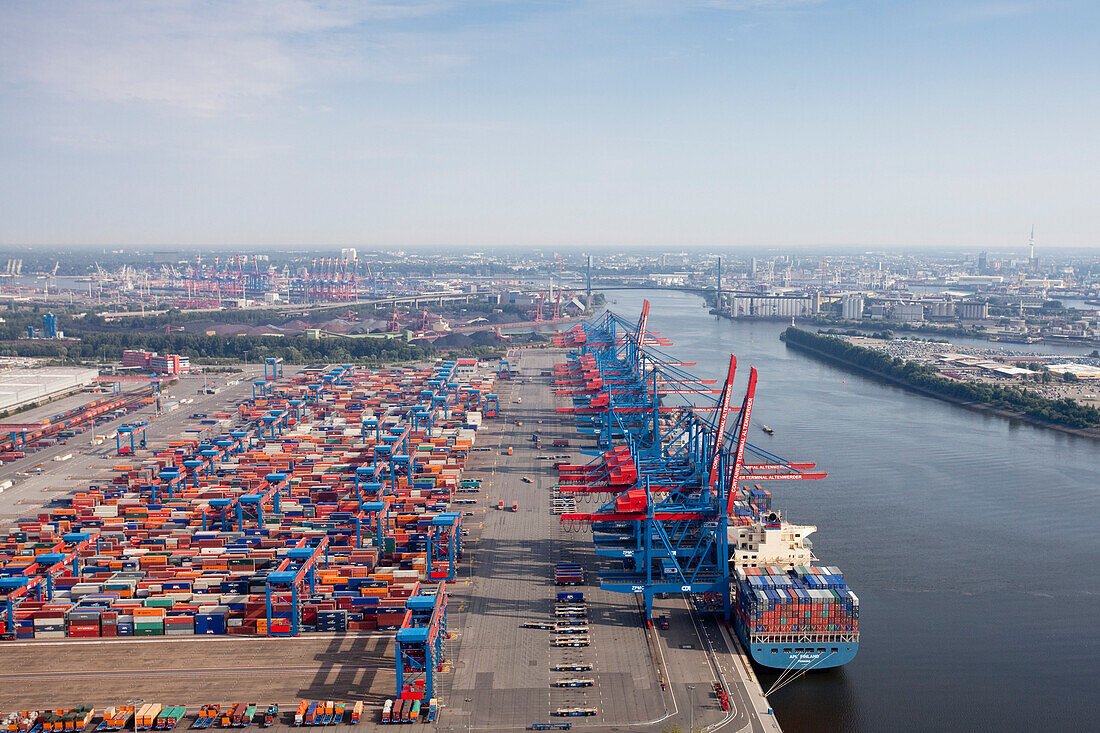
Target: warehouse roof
[[21, 386]]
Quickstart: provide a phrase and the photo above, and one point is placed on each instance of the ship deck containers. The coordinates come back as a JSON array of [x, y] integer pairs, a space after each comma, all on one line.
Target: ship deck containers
[[807, 613]]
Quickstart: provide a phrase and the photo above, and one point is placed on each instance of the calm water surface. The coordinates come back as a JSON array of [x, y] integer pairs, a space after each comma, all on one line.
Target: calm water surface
[[972, 540]]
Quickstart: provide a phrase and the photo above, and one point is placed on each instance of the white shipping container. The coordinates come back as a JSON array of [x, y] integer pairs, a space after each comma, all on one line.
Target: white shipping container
[[83, 589]]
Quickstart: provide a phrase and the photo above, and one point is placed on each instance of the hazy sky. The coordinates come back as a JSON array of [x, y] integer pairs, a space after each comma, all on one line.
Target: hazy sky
[[594, 124]]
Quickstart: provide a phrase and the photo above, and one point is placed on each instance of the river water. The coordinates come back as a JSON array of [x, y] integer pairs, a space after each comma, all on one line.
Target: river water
[[972, 540]]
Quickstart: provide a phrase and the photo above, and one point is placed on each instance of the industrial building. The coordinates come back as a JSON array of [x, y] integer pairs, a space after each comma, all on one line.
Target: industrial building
[[974, 311], [907, 312], [939, 308], [852, 307], [1081, 371], [21, 387], [775, 306], [151, 361]]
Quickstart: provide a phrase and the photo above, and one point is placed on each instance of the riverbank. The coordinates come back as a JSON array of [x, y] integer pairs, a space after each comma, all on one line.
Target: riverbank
[[940, 330], [1093, 433]]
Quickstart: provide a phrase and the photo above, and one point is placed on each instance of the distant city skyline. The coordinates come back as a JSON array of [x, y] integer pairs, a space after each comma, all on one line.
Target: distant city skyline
[[752, 125]]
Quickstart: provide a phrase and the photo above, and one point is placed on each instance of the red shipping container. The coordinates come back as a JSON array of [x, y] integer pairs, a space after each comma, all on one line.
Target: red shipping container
[[84, 634]]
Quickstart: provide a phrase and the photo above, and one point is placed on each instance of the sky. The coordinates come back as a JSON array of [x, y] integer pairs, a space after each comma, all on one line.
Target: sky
[[573, 123]]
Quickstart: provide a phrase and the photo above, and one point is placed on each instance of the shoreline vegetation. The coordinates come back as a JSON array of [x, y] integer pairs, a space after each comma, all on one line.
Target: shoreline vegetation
[[1006, 400]]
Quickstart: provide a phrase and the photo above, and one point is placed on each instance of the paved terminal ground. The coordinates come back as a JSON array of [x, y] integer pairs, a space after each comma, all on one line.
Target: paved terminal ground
[[498, 675], [644, 679], [194, 671]]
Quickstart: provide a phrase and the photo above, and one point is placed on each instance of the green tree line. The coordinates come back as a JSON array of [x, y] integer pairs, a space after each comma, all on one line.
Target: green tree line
[[293, 349], [1064, 411]]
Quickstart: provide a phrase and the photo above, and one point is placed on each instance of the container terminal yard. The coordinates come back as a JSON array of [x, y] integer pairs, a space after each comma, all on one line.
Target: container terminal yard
[[394, 537]]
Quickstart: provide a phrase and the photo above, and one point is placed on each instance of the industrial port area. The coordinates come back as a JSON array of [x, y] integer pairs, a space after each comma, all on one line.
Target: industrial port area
[[311, 545], [620, 367], [555, 524]]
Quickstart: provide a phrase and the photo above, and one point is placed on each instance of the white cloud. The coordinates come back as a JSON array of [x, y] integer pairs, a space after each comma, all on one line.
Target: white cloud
[[209, 57]]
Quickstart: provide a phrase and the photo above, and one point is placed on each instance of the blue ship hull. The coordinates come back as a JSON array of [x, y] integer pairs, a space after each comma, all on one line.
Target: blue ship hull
[[801, 655]]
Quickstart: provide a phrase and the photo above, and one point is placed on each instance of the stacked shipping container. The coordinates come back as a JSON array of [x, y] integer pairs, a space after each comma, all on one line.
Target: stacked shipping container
[[184, 540], [805, 604]]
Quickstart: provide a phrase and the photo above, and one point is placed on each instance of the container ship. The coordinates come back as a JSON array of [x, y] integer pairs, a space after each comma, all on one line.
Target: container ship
[[788, 613]]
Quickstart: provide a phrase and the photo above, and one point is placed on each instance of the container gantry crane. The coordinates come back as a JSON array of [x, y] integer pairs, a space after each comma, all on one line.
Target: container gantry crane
[[672, 467]]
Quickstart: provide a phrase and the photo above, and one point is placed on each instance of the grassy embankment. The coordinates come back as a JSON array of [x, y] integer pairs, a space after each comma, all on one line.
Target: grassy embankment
[[1008, 399]]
